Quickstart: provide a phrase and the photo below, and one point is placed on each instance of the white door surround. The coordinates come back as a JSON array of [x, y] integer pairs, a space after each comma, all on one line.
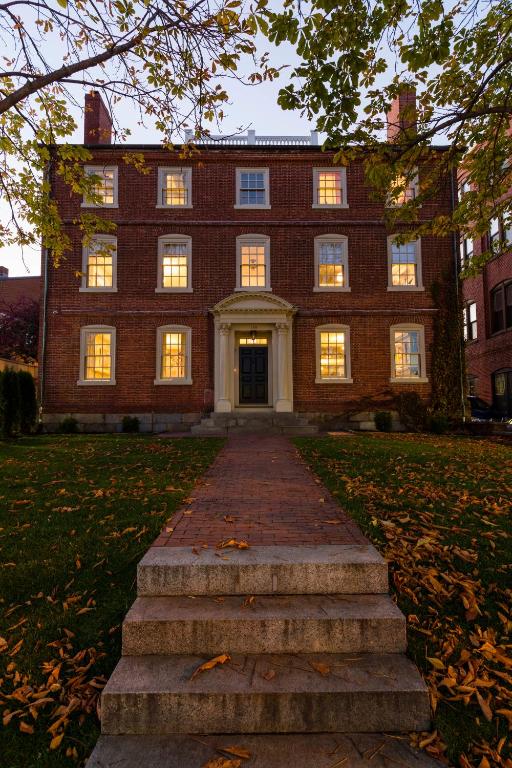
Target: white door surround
[[267, 315]]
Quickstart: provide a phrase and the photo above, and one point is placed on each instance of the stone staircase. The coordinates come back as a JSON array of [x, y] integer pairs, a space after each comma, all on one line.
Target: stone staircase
[[316, 647], [254, 421]]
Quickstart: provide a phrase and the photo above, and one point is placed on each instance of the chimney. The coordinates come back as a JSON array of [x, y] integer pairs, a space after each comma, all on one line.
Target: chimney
[[401, 117], [4, 273], [97, 120]]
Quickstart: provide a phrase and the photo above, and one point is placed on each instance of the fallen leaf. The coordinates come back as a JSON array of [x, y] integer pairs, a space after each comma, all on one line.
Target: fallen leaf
[[322, 669], [233, 543], [236, 751], [222, 762], [211, 664]]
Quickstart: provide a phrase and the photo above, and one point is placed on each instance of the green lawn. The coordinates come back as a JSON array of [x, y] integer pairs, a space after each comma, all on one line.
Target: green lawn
[[439, 508], [76, 515]]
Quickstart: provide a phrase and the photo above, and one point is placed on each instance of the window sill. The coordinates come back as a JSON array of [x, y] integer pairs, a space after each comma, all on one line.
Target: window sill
[[174, 207], [334, 381], [333, 289], [329, 206], [407, 288], [173, 290], [254, 289], [172, 382], [96, 382], [93, 205], [263, 207], [84, 289], [416, 380]]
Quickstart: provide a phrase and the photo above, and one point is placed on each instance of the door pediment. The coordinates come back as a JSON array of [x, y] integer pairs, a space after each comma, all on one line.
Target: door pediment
[[247, 303]]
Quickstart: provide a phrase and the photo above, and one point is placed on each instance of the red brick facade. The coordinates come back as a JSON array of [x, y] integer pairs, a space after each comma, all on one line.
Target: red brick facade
[[213, 223]]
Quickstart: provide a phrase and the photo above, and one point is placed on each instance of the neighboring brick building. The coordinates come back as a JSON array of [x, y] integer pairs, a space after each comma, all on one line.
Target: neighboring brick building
[[256, 275], [488, 322], [14, 289]]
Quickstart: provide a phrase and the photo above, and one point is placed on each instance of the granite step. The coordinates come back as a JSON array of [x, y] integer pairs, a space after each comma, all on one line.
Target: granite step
[[263, 570], [333, 750], [265, 693], [268, 624]]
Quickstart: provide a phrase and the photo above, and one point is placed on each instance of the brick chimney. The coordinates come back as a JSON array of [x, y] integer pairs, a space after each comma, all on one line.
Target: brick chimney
[[401, 117], [4, 273], [97, 120]]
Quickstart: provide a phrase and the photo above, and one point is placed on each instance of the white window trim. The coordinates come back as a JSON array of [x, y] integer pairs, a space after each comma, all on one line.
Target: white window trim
[[252, 240], [84, 288], [187, 379], [348, 367], [422, 378], [330, 288], [419, 269], [98, 170], [174, 239], [187, 173], [266, 179], [413, 184], [82, 381], [343, 183]]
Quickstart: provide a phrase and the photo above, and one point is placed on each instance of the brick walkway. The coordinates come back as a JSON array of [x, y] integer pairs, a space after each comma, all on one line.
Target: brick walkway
[[259, 490]]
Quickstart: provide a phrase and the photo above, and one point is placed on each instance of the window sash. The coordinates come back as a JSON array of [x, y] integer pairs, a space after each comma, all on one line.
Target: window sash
[[105, 186], [175, 189], [98, 356], [253, 267], [100, 264], [404, 264], [331, 267], [173, 360], [333, 361], [252, 188], [175, 265], [328, 189], [407, 354]]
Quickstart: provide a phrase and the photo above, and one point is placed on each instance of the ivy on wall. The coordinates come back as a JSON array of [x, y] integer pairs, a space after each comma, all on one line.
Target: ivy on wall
[[448, 363]]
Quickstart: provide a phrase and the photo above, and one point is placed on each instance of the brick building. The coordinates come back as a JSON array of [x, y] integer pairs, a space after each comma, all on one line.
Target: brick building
[[254, 276], [488, 321], [14, 289]]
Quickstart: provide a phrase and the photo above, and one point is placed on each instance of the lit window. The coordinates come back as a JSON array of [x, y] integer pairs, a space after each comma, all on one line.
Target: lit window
[[105, 187], [404, 265], [403, 191], [99, 264], [253, 263], [408, 353], [252, 188], [97, 355], [174, 188], [333, 354], [173, 355], [331, 263], [248, 341], [470, 323], [329, 187], [174, 264]]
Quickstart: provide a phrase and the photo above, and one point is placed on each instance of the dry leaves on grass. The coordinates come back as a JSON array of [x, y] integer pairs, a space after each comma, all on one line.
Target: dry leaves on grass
[[222, 659]]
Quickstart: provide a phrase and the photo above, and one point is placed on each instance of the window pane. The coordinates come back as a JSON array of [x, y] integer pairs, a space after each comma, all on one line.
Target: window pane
[[407, 354], [100, 262], [331, 272], [252, 266], [407, 191], [252, 188], [332, 355], [175, 265], [498, 309], [104, 185], [329, 187], [508, 305], [248, 341], [404, 268], [173, 363], [175, 190], [98, 359]]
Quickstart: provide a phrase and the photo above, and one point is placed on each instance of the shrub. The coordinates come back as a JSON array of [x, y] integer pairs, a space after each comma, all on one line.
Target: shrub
[[130, 424], [9, 402], [28, 401], [68, 426], [439, 423], [383, 421], [412, 411]]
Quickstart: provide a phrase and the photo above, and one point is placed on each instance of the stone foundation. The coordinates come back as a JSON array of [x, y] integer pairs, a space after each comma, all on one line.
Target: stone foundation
[[112, 422]]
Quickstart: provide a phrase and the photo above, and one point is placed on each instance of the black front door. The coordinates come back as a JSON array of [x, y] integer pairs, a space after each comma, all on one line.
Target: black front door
[[502, 394], [254, 375]]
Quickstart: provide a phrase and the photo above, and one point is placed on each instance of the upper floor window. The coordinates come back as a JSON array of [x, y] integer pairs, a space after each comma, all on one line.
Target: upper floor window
[[174, 188], [253, 263], [404, 265], [97, 354], [331, 263], [407, 353], [330, 188], [173, 355], [174, 264], [466, 250], [99, 264], [105, 187], [403, 190], [500, 233], [470, 322], [252, 188], [464, 186], [333, 354], [501, 307]]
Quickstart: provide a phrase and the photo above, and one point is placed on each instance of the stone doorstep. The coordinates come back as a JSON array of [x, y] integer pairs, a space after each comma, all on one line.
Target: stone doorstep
[[367, 693], [355, 750], [271, 624], [263, 570]]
